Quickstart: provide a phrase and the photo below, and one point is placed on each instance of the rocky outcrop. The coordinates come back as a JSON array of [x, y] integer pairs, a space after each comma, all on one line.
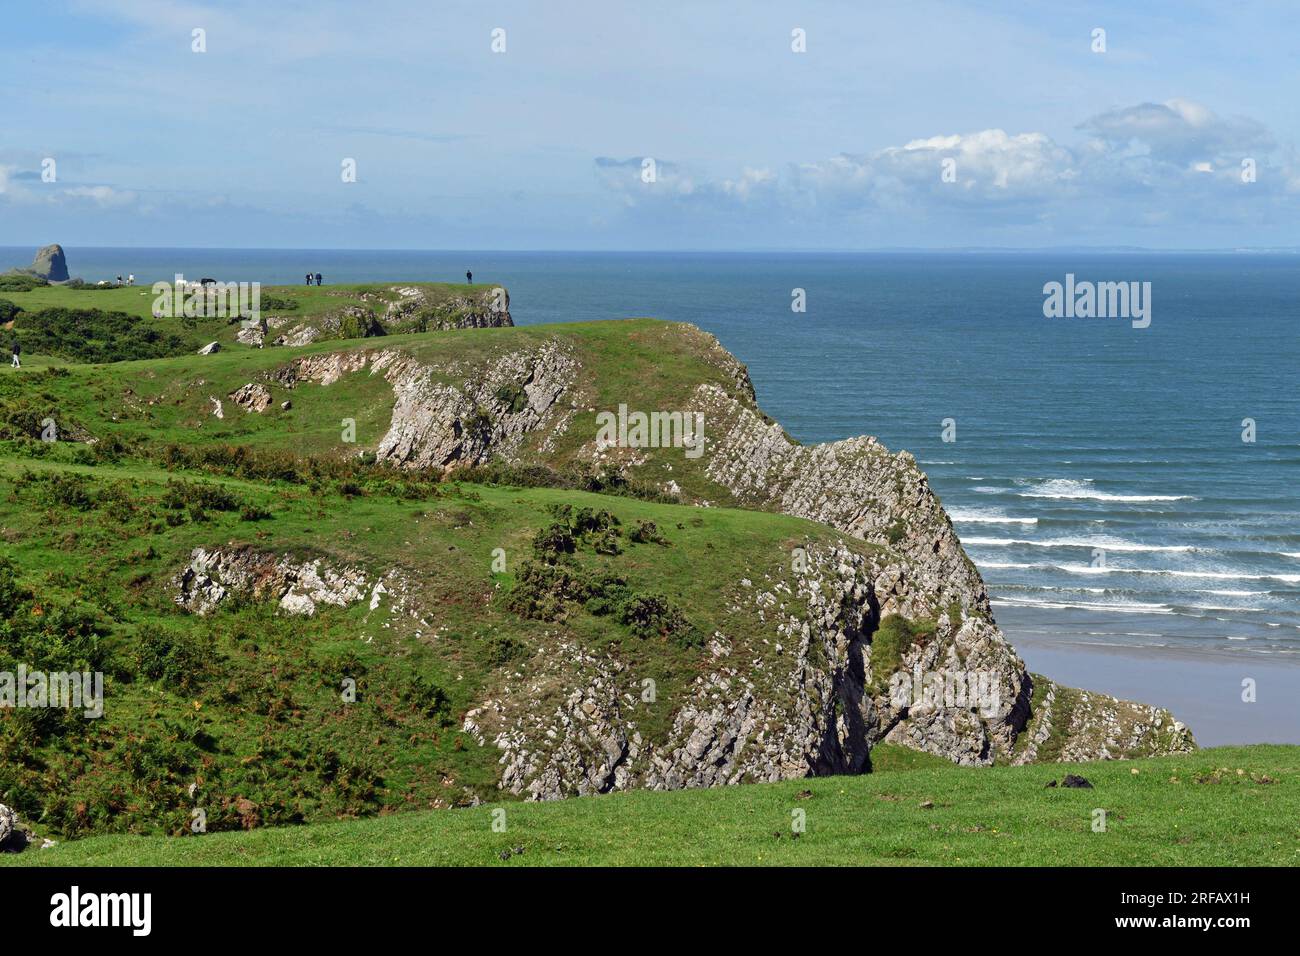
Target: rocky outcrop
[[813, 700], [480, 413], [418, 309], [871, 645], [50, 264], [253, 397], [13, 836], [298, 587], [401, 309]]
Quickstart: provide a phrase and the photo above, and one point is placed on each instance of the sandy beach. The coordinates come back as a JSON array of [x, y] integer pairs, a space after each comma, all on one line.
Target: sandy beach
[[1203, 689]]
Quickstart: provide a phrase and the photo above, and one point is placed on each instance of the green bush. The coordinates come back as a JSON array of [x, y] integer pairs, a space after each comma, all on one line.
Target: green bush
[[93, 335], [8, 310], [647, 532], [179, 660], [20, 282]]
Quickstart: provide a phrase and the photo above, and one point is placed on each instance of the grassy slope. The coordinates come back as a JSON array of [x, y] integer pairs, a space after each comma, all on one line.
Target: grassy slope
[[221, 729], [1175, 811], [649, 363], [312, 301]]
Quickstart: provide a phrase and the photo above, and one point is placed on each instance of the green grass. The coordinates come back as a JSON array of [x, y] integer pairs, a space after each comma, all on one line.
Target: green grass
[[1195, 810], [310, 302], [262, 720]]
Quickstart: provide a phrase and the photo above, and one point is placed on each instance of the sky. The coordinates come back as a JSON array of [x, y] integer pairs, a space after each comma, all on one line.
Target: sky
[[669, 125]]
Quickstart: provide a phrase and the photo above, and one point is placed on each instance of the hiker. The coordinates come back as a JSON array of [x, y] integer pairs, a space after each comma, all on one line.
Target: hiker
[[309, 278], [318, 278], [119, 280], [469, 277], [130, 280], [16, 349]]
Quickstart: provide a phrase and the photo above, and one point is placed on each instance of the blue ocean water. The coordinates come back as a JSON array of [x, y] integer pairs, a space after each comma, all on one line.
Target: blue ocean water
[[1098, 478]]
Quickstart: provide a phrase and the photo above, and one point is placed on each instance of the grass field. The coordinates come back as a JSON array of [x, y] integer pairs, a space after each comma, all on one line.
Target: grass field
[[1235, 806], [282, 306]]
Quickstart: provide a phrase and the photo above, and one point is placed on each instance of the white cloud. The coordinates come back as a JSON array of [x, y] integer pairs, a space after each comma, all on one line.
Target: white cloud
[[1146, 164]]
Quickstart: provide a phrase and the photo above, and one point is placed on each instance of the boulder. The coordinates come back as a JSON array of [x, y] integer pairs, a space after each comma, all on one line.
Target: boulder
[[51, 264], [210, 348], [251, 397], [13, 838]]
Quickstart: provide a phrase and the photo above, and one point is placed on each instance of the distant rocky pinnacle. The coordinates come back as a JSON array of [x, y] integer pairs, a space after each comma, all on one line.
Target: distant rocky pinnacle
[[51, 264]]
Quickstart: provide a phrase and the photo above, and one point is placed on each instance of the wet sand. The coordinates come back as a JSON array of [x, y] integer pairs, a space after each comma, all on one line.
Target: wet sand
[[1202, 688]]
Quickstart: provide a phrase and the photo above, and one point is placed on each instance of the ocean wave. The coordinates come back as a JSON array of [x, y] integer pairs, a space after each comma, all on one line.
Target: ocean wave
[[1132, 607], [1103, 544], [969, 516], [1110, 569], [1067, 489]]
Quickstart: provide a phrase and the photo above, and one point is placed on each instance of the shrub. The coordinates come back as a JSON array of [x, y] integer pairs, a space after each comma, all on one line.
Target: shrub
[[427, 698], [198, 497], [653, 615], [647, 532], [93, 335], [179, 660], [8, 310], [20, 282]]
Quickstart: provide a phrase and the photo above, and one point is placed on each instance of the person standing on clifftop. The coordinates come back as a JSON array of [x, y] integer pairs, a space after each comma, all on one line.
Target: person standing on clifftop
[[309, 278], [469, 277], [16, 349]]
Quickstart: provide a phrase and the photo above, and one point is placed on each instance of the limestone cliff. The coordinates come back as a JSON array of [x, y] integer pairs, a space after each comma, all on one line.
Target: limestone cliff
[[868, 640]]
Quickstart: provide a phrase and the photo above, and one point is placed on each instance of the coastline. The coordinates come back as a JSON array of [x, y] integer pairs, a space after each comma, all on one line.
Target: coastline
[[1203, 688]]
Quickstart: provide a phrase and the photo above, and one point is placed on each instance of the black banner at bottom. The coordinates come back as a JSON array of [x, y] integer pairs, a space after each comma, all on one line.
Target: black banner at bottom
[[336, 905]]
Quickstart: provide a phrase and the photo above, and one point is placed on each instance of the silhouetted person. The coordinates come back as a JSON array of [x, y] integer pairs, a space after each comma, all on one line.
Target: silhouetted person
[[318, 278], [16, 349], [309, 278], [469, 277]]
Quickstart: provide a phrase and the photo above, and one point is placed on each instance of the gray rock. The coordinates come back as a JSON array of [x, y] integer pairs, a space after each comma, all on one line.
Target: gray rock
[[210, 349], [51, 264], [251, 397], [13, 838]]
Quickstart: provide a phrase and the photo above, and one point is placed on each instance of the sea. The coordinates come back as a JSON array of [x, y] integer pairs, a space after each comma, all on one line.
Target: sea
[[1117, 486]]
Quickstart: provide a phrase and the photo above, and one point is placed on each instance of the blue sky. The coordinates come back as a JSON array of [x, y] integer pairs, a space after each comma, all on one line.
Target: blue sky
[[755, 146]]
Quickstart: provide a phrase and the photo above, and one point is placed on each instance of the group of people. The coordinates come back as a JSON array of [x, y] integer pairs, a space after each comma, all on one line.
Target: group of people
[[316, 276]]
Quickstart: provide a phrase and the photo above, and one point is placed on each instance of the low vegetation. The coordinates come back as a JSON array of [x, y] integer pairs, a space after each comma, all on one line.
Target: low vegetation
[[1229, 806]]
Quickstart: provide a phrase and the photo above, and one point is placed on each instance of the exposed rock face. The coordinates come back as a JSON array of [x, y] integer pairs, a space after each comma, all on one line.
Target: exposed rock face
[[472, 311], [298, 587], [51, 264], [252, 397], [437, 424], [8, 822], [210, 349], [415, 309], [821, 704], [815, 706]]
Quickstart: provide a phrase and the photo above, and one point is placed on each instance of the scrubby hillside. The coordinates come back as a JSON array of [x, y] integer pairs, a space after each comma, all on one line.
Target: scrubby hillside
[[235, 538], [122, 323]]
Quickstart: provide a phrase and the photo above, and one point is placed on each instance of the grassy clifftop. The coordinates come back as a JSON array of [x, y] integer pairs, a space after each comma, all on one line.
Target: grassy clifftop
[[62, 323]]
